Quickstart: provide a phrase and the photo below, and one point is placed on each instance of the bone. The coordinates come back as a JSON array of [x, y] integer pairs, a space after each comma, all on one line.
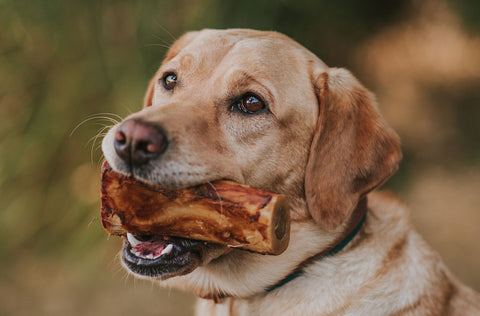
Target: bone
[[223, 212]]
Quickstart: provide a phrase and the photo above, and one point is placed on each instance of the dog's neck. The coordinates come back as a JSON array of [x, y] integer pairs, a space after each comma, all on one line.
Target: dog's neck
[[355, 224]]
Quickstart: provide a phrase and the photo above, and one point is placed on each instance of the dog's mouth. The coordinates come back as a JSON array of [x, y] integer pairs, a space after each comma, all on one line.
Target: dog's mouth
[[164, 257]]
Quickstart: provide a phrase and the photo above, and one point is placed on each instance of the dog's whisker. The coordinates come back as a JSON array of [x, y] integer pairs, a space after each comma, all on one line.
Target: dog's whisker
[[101, 158], [128, 109], [93, 220], [126, 275], [99, 133], [94, 149], [110, 117], [152, 284], [158, 45], [114, 267], [95, 138], [165, 30], [162, 40]]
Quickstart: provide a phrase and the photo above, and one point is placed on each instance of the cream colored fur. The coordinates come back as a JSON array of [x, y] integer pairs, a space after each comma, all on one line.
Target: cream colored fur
[[322, 143]]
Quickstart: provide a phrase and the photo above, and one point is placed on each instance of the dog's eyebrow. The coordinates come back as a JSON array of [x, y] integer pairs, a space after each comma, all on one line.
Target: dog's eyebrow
[[242, 78], [241, 82], [186, 62]]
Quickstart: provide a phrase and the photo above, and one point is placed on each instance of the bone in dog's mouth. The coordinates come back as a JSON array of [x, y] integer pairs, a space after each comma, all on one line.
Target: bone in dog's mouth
[[170, 232]]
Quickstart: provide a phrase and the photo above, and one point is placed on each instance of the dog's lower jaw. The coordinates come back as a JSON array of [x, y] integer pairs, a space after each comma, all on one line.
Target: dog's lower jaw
[[184, 256]]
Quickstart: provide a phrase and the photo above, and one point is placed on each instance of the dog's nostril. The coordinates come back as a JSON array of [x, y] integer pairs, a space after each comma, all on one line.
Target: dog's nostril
[[148, 147], [153, 148], [120, 137], [122, 145]]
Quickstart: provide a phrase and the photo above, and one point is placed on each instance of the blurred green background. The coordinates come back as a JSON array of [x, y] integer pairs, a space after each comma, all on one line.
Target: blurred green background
[[67, 62]]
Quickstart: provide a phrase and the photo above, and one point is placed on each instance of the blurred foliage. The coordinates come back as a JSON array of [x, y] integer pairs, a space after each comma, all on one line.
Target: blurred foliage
[[64, 63], [469, 10]]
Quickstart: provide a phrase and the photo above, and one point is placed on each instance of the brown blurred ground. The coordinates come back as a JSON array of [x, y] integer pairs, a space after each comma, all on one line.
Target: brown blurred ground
[[62, 62]]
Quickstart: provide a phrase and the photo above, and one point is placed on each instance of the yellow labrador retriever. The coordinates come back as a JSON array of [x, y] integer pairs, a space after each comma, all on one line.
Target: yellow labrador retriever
[[258, 108]]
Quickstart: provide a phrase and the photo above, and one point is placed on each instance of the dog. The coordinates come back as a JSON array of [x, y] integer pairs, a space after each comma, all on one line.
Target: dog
[[258, 108]]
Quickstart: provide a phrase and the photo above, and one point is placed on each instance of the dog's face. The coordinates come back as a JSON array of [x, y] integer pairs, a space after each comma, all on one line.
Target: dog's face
[[257, 108]]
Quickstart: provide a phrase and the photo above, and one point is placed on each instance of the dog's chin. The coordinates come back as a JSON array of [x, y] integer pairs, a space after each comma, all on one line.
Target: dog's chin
[[163, 257]]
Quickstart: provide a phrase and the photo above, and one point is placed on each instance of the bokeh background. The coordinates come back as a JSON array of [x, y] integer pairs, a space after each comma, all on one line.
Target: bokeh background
[[65, 65]]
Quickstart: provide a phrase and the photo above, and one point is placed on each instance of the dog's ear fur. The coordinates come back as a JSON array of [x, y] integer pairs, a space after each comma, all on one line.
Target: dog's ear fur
[[172, 52], [352, 152], [148, 98]]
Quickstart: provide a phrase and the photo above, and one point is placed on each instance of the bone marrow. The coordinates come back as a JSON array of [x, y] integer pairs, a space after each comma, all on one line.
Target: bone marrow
[[223, 212]]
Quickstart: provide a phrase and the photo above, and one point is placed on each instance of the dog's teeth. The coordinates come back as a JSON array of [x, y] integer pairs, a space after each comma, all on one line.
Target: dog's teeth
[[150, 256], [167, 250], [132, 240]]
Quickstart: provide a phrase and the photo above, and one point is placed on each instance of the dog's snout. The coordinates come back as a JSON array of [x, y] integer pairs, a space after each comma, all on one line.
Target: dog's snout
[[138, 142]]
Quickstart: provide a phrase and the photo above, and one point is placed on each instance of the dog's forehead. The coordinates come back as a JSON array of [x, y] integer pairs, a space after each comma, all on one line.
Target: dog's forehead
[[217, 40], [206, 50]]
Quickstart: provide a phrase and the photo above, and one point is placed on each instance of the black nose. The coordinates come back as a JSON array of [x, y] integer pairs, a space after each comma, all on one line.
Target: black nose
[[138, 142]]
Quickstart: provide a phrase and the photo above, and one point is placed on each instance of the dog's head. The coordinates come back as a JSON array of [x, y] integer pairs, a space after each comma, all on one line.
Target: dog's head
[[260, 109]]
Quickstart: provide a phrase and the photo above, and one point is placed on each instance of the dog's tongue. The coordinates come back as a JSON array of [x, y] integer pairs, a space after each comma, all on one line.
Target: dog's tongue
[[151, 247]]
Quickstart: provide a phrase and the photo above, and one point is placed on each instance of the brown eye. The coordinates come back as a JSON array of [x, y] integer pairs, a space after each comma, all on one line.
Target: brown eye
[[169, 81], [250, 104]]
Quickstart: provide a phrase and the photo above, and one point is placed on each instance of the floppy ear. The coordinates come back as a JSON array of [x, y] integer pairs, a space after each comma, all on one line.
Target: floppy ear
[[148, 98], [352, 152]]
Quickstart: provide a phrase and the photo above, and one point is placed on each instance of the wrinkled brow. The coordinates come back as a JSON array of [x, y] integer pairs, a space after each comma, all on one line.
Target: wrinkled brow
[[240, 82], [185, 63]]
